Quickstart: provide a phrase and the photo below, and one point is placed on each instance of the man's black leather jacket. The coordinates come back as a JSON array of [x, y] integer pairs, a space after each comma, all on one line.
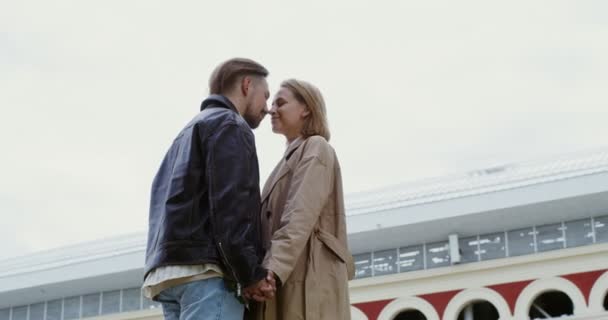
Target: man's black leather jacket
[[205, 198]]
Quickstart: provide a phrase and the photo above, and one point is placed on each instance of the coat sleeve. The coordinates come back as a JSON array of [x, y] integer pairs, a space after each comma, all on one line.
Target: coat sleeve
[[311, 186]]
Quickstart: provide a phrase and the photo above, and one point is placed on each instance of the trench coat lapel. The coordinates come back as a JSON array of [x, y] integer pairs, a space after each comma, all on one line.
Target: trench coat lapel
[[283, 168]]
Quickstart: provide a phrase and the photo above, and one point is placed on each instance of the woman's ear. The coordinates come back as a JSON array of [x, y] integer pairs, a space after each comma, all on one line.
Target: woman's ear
[[306, 113]]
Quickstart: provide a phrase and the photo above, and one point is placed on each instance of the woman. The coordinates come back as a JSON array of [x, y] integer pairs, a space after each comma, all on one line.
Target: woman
[[303, 220]]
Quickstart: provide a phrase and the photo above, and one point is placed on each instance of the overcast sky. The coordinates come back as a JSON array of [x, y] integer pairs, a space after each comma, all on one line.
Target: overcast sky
[[93, 92]]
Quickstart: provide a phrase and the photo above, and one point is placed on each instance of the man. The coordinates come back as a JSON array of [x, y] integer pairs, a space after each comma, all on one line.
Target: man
[[204, 249]]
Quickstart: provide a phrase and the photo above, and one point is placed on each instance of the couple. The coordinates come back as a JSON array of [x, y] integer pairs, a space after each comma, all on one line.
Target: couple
[[217, 249]]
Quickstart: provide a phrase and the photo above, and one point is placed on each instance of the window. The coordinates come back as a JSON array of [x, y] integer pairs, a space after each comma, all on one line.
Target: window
[[437, 255], [410, 315], [551, 304], [20, 313], [363, 265], [521, 242], [385, 262], [71, 308], [149, 304], [492, 246], [579, 233], [110, 302], [411, 258], [5, 314], [131, 299], [37, 311], [469, 249], [53, 310], [549, 237], [601, 229], [90, 305], [478, 310]]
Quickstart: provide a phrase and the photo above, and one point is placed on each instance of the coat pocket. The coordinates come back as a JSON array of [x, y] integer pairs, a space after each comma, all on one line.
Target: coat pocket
[[334, 245]]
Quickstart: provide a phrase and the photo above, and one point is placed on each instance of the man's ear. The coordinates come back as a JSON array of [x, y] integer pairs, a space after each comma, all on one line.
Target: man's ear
[[245, 85]]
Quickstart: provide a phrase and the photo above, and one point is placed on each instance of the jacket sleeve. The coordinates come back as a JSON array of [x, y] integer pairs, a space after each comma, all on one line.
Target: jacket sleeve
[[310, 188], [234, 197]]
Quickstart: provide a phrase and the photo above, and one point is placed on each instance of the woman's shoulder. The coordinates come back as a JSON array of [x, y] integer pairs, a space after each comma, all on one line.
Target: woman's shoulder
[[319, 147]]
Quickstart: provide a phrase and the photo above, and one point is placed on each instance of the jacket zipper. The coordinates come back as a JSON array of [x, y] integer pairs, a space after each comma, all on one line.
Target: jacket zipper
[[229, 266]]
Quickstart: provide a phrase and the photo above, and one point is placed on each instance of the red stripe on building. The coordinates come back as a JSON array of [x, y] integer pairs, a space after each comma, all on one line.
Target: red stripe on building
[[373, 308], [510, 291], [440, 300], [585, 281]]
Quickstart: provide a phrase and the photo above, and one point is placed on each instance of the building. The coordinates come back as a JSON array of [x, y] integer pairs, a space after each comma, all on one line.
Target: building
[[519, 241]]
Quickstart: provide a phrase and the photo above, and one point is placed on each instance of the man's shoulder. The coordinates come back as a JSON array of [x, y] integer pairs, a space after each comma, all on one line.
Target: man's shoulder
[[216, 115], [215, 119]]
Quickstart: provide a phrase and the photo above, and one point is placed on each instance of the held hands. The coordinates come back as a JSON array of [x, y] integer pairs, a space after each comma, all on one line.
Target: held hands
[[263, 290]]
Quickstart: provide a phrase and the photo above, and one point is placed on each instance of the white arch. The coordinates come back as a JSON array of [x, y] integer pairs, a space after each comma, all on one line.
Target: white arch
[[463, 298], [598, 292], [410, 303], [537, 287], [357, 314]]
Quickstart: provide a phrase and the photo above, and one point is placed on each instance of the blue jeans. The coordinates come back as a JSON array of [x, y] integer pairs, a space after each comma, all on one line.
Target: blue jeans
[[207, 299]]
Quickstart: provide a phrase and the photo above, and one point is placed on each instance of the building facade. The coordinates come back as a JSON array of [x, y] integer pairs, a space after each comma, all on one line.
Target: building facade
[[520, 241]]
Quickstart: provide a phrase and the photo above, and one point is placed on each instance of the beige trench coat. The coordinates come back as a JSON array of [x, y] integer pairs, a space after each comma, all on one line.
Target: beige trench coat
[[304, 231]]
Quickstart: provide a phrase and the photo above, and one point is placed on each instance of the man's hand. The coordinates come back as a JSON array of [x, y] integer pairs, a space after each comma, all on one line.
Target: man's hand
[[262, 290]]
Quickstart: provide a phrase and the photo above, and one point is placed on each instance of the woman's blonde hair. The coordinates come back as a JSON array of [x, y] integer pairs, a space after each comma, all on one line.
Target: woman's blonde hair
[[309, 95]]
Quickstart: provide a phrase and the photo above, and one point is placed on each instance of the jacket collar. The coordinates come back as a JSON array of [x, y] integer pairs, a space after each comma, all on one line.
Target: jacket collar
[[218, 100], [293, 146]]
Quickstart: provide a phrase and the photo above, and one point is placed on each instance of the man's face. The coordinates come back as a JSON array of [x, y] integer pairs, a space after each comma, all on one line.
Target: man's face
[[256, 98]]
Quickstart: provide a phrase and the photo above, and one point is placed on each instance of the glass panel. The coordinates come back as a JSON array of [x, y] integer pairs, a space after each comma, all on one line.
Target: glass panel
[[110, 302], [492, 246], [53, 310], [437, 255], [385, 262], [90, 305], [601, 229], [363, 265], [149, 304], [549, 237], [468, 249], [521, 242], [71, 308], [579, 233], [411, 258], [130, 299], [5, 314], [37, 311], [20, 313]]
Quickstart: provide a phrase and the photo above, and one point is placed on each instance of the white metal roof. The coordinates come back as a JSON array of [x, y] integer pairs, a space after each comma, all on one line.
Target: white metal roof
[[477, 182], [71, 255]]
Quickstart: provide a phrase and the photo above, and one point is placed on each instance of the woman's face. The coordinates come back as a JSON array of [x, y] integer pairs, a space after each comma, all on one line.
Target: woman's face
[[287, 114]]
